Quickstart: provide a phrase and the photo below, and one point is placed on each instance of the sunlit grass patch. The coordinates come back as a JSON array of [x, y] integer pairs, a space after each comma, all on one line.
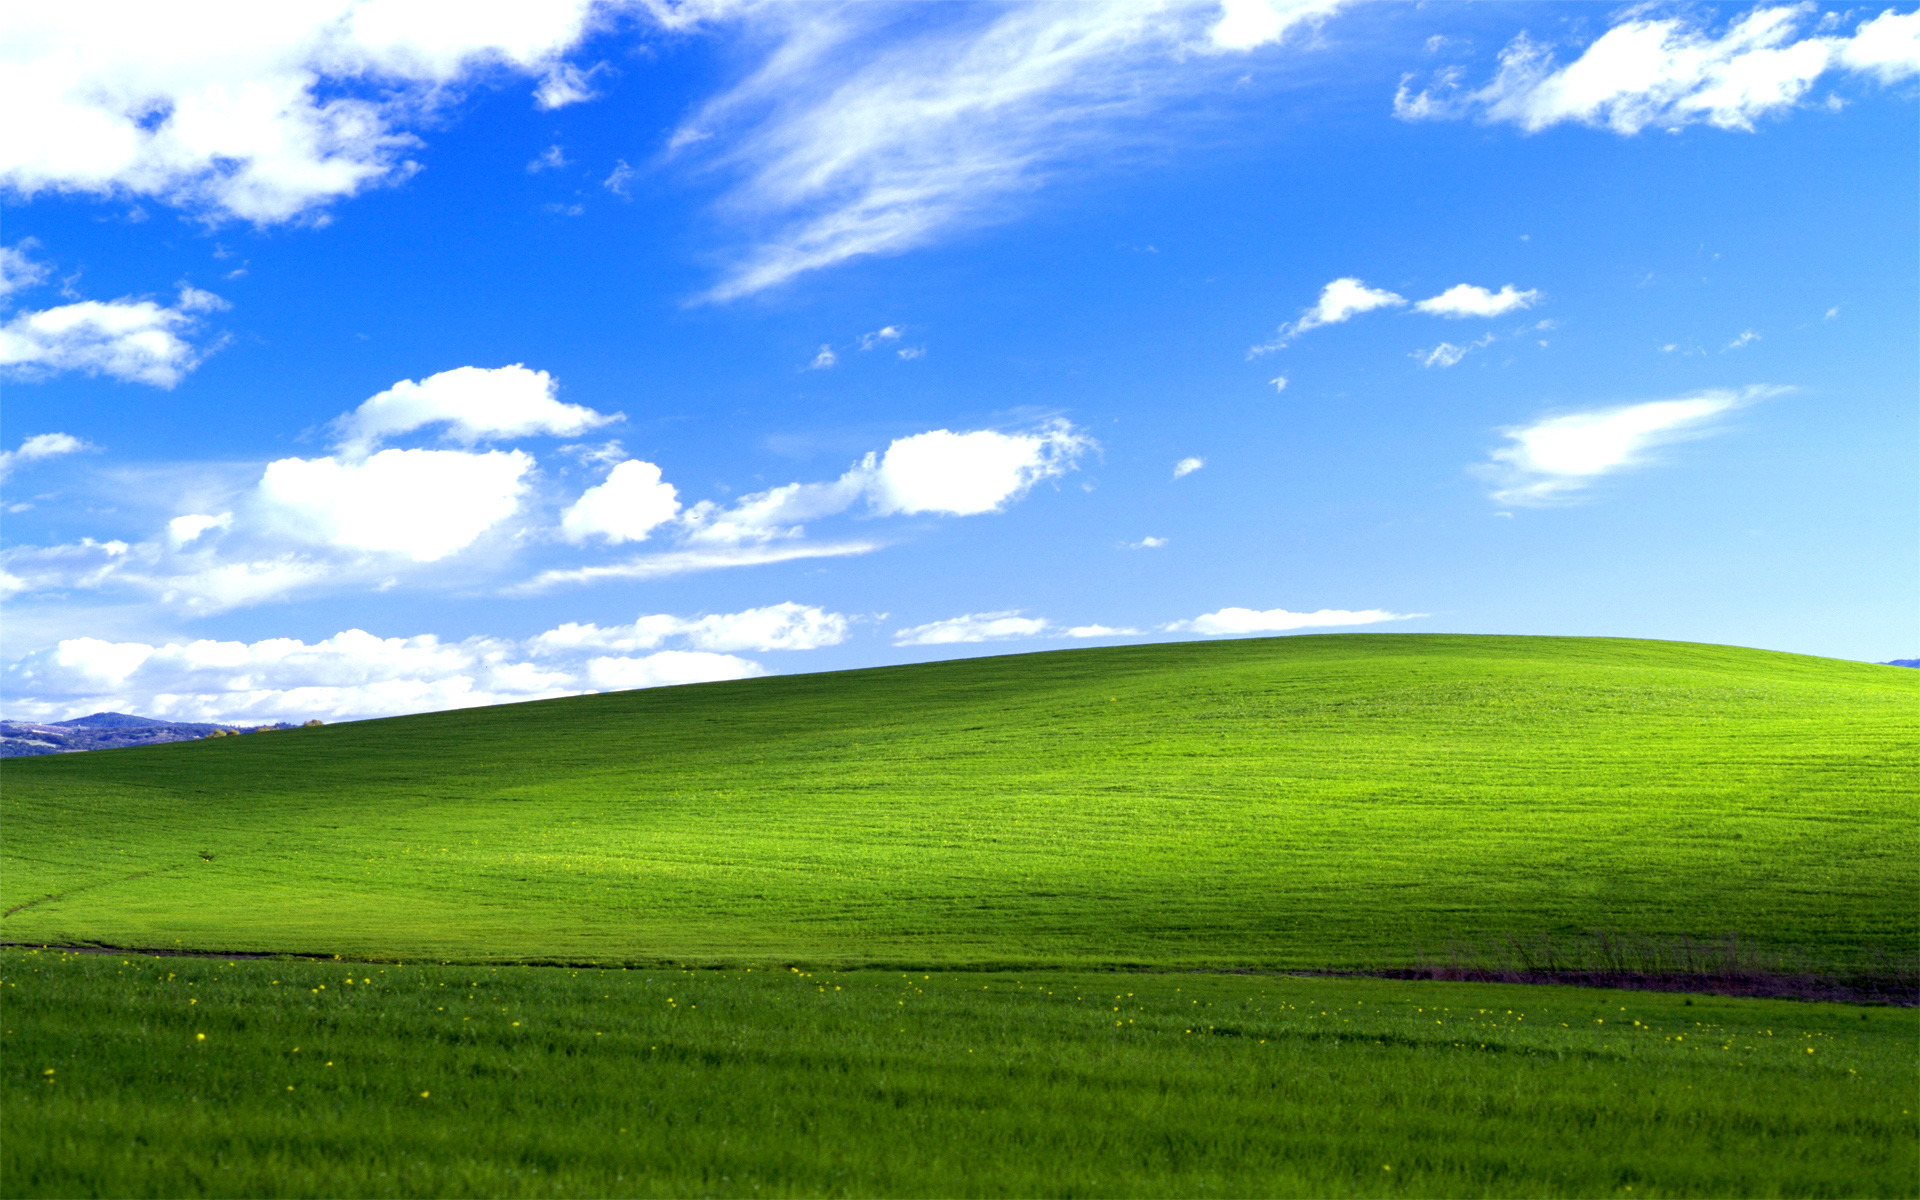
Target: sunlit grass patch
[[131, 1075]]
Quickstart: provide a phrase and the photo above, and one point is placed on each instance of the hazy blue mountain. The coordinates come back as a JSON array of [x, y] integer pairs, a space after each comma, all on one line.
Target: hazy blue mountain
[[102, 731]]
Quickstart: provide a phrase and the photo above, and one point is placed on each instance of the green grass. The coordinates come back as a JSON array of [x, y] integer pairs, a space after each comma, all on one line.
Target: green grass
[[323, 1078], [1342, 801]]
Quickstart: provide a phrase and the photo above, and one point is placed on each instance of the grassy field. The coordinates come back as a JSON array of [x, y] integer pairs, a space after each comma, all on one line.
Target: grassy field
[[127, 1075], [1339, 801]]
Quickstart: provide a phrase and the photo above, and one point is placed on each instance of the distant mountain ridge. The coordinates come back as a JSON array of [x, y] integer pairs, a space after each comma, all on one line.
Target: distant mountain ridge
[[105, 731]]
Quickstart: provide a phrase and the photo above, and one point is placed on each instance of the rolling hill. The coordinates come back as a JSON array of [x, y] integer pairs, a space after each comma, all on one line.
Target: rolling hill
[[1350, 801]]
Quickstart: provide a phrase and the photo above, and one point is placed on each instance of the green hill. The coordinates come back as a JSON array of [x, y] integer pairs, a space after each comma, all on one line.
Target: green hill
[[1339, 801]]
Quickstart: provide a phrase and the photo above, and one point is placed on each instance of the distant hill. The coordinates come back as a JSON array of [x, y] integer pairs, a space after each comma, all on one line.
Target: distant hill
[[1345, 801], [1902, 662], [103, 731]]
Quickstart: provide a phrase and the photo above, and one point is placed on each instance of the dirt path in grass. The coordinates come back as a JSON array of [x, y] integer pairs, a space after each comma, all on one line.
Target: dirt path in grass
[[87, 887], [1891, 991]]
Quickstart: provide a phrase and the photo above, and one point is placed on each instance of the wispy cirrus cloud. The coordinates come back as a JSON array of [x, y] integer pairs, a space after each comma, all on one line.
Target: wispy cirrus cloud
[[1672, 72], [873, 129], [1555, 458], [1010, 625]]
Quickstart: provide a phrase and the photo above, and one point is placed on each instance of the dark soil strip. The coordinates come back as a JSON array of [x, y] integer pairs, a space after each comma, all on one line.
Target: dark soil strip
[[89, 887], [1881, 991], [1763, 985]]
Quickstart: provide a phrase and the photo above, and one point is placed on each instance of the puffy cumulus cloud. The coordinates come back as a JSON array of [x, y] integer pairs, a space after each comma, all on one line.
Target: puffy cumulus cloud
[[1555, 457], [1467, 300], [1279, 620], [265, 112], [476, 404], [961, 474], [1669, 73], [37, 448], [184, 529], [1886, 47], [787, 626], [862, 134], [357, 674], [1188, 466], [668, 667], [974, 627], [940, 471], [1246, 24], [629, 505], [141, 341], [424, 504], [1341, 300]]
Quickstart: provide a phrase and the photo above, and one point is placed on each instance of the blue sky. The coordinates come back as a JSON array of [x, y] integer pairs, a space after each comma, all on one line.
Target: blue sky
[[361, 359]]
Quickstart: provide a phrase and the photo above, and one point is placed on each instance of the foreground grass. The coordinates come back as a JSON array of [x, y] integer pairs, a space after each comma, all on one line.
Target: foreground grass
[[128, 1075], [1341, 801]]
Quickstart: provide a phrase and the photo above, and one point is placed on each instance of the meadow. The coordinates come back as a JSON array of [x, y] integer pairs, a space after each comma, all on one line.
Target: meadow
[[129, 1075], [1000, 926], [1321, 802]]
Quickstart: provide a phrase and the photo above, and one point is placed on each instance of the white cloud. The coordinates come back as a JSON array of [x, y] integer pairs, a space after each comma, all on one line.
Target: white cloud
[[38, 447], [860, 134], [974, 627], [940, 471], [184, 529], [668, 667], [1446, 354], [1887, 47], [1746, 338], [1147, 543], [475, 403], [689, 561], [19, 270], [1279, 620], [787, 626], [1670, 73], [550, 159], [1467, 300], [1187, 466], [909, 353], [426, 504], [1245, 24], [1094, 631], [821, 361], [1558, 456], [350, 675], [961, 474], [265, 112], [620, 181], [632, 502], [1339, 301], [141, 341], [890, 333]]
